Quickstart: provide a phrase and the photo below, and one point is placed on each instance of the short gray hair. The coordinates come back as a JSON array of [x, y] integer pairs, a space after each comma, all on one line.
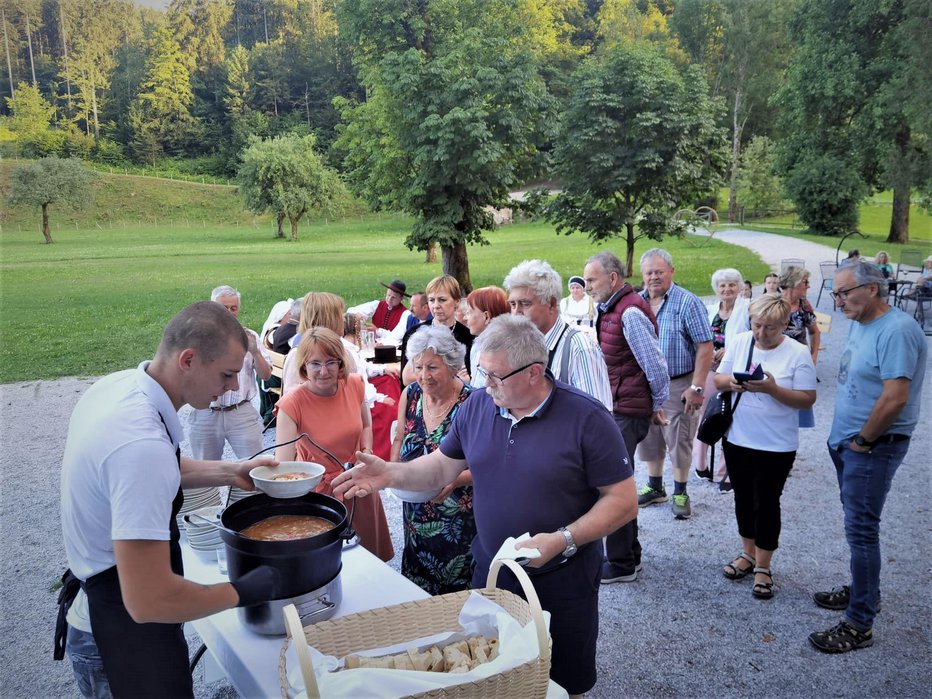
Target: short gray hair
[[537, 276], [222, 291], [866, 273], [517, 337], [296, 308], [439, 340], [727, 274], [610, 263], [657, 252]]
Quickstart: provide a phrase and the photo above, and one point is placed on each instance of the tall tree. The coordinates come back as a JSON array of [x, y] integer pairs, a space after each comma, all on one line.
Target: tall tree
[[744, 48], [287, 176], [850, 103], [31, 119], [453, 113], [162, 105], [50, 181], [96, 39], [638, 141]]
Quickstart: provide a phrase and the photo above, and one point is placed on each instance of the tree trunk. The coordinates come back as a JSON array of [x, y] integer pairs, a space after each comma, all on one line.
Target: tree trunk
[[64, 46], [32, 63], [456, 264], [281, 222], [737, 129], [899, 222], [9, 65], [629, 243], [431, 256], [46, 231], [94, 110], [294, 226]]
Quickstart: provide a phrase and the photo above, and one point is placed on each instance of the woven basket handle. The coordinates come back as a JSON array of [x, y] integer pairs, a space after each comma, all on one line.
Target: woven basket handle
[[543, 639], [295, 630]]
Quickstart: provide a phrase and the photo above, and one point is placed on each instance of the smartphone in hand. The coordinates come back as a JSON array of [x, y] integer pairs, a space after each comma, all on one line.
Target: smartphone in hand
[[756, 375]]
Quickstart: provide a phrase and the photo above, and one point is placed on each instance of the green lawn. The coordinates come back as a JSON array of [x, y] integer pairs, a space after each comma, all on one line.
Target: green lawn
[[97, 299]]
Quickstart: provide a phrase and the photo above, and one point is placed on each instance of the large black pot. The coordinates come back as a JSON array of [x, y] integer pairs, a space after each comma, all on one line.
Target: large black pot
[[305, 564]]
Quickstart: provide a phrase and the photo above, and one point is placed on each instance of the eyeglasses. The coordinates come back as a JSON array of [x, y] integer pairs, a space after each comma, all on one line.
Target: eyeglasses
[[500, 380], [330, 364], [843, 295]]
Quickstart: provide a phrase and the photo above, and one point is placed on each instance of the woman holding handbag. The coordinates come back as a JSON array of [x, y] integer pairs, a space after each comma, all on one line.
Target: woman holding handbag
[[760, 446]]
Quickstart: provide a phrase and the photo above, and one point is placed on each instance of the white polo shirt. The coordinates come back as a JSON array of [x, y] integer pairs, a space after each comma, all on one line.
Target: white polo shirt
[[119, 473]]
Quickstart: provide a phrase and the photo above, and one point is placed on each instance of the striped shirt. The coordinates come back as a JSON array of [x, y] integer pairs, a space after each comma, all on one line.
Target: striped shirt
[[683, 324], [639, 334], [586, 368], [248, 388]]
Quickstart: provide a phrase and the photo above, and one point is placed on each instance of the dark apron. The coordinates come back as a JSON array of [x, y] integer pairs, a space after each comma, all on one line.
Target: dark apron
[[141, 660]]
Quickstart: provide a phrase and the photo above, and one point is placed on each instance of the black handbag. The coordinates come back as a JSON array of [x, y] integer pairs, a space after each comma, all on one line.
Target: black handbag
[[719, 412]]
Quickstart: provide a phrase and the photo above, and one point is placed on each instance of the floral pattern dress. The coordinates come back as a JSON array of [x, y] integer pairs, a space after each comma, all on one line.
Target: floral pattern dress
[[438, 537]]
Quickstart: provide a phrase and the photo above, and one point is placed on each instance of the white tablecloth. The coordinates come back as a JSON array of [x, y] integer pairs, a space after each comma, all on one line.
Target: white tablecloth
[[251, 661]]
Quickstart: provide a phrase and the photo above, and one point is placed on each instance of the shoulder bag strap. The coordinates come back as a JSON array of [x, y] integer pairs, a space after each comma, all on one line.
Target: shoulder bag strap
[[746, 367]]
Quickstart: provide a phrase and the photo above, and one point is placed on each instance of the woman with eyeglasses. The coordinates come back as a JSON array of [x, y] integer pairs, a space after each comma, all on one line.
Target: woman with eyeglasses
[[794, 285], [761, 444], [438, 534], [330, 406]]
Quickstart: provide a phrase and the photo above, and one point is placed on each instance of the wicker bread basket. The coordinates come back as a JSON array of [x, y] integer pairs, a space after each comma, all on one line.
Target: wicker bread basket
[[412, 620]]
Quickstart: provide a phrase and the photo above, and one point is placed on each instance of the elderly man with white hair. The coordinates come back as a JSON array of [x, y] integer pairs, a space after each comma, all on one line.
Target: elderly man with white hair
[[582, 490], [231, 416], [534, 290]]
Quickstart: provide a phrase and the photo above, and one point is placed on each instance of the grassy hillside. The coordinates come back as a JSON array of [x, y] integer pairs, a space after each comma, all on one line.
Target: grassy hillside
[[123, 200]]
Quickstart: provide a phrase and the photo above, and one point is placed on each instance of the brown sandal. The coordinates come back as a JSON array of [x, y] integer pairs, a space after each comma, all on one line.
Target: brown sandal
[[733, 572]]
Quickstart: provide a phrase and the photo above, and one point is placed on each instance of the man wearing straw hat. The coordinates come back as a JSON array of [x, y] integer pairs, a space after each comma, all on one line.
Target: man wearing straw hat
[[527, 441], [387, 316]]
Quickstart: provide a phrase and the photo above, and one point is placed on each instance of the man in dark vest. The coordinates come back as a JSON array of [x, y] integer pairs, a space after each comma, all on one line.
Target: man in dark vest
[[388, 317], [627, 333]]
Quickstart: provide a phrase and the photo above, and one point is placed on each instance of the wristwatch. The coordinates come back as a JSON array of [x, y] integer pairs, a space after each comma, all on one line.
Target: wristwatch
[[698, 390], [861, 442], [570, 549]]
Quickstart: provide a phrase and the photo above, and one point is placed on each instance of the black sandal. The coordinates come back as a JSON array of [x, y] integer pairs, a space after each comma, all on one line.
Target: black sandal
[[733, 572], [763, 590]]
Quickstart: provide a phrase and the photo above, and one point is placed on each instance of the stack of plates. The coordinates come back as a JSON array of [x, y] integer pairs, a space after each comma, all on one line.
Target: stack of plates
[[237, 494], [202, 536], [196, 498]]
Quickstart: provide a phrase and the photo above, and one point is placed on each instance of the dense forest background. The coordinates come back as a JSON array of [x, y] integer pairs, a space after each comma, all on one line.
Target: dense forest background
[[817, 102]]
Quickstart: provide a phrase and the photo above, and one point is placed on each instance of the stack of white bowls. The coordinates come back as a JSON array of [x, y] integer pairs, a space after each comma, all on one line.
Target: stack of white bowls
[[202, 536], [195, 499]]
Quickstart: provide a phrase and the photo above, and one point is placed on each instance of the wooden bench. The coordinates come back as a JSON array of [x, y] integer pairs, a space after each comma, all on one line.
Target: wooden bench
[[278, 369]]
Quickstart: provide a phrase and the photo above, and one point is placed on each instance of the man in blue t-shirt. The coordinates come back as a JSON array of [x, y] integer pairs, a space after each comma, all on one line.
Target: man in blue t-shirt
[[528, 441], [876, 410]]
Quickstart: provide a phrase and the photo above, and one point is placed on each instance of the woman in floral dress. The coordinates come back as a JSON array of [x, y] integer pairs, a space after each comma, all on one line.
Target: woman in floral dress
[[438, 534]]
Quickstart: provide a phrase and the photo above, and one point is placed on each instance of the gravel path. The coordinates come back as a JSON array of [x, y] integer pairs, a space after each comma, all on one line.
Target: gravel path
[[681, 630]]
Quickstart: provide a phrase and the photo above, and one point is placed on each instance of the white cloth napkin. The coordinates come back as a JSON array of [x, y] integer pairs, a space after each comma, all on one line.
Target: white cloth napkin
[[508, 552]]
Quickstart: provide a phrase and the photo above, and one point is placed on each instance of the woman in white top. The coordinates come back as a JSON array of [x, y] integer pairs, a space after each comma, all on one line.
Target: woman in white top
[[728, 316], [761, 443], [578, 309]]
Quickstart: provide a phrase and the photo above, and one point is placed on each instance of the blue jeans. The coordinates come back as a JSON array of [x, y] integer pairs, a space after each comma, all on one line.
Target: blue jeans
[[86, 663], [864, 481]]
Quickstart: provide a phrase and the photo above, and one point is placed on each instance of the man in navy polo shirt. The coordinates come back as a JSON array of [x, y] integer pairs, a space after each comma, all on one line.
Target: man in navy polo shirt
[[527, 439]]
